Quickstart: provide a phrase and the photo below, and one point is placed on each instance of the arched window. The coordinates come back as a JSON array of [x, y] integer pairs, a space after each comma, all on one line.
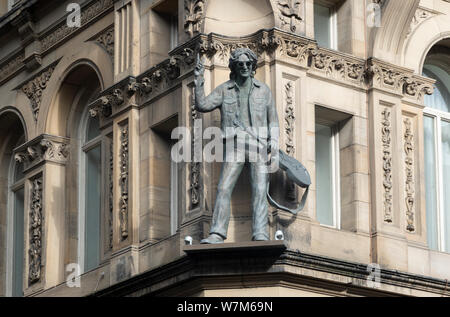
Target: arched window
[[16, 230], [90, 193], [437, 151]]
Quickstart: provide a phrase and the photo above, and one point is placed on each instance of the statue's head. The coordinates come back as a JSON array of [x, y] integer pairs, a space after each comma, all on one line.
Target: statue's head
[[243, 63]]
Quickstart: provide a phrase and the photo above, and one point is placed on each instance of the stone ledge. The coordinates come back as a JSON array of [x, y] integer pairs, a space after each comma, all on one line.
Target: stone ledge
[[259, 246]]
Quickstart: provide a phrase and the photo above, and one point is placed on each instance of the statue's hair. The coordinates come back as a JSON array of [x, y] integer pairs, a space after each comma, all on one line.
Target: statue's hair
[[235, 57]]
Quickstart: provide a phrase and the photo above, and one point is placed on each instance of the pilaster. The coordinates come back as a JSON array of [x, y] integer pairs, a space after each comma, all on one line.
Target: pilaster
[[127, 39], [397, 180], [44, 160]]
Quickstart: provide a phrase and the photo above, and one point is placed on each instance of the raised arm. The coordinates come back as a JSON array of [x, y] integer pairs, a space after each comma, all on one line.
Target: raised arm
[[203, 103]]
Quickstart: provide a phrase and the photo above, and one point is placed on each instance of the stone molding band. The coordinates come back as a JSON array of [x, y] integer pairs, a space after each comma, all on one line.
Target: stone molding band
[[271, 44]]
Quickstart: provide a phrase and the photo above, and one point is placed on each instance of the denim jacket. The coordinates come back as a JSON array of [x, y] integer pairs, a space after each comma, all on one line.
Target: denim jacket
[[263, 113]]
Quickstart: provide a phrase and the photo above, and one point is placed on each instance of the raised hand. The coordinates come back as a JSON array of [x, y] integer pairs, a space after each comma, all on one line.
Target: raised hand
[[199, 71]]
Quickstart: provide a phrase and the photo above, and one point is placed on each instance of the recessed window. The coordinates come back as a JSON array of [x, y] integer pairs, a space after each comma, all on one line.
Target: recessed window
[[16, 242], [325, 25], [173, 32], [437, 158], [90, 190], [165, 203], [327, 175], [330, 147]]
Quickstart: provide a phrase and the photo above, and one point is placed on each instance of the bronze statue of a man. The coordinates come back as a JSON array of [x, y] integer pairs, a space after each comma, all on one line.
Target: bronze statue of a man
[[245, 104]]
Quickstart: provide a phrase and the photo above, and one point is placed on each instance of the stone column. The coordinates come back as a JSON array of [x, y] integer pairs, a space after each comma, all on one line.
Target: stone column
[[44, 160]]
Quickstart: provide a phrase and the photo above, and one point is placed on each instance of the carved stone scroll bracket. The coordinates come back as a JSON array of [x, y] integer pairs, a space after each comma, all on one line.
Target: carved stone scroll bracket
[[398, 80], [45, 148]]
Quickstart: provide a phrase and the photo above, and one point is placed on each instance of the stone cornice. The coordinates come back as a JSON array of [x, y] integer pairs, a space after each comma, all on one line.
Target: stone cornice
[[60, 32], [228, 264], [10, 66], [48, 39], [269, 45], [398, 80], [44, 148]]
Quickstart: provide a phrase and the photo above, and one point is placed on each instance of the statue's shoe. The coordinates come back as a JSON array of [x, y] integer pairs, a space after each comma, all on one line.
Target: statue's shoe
[[212, 239], [260, 237]]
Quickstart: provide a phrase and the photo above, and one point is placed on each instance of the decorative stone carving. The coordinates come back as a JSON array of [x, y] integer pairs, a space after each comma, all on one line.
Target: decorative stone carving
[[267, 44], [63, 31], [420, 16], [193, 16], [409, 174], [297, 49], [379, 2], [34, 89], [164, 74], [106, 41], [387, 164], [290, 13], [289, 117], [124, 173], [36, 220], [11, 67], [111, 192], [398, 80], [113, 98], [338, 67], [417, 87], [194, 166], [43, 148], [54, 151]]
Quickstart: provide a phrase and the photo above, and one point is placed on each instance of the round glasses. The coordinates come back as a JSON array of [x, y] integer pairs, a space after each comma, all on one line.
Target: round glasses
[[248, 64]]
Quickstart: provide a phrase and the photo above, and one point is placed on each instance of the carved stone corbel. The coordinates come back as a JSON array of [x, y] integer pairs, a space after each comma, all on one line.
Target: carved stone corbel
[[114, 98]]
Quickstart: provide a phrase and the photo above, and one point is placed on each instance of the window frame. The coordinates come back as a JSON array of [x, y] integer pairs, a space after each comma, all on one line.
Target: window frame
[[13, 187], [85, 147], [438, 117], [333, 25], [335, 174]]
